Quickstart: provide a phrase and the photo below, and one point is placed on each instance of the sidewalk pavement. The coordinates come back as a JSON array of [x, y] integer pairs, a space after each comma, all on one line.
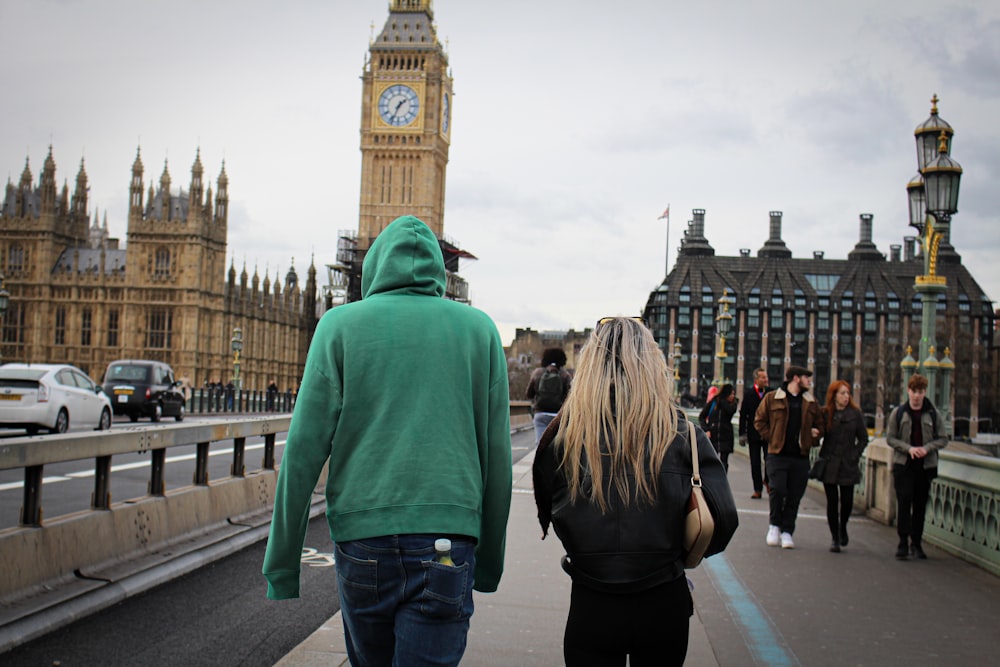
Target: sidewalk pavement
[[522, 623]]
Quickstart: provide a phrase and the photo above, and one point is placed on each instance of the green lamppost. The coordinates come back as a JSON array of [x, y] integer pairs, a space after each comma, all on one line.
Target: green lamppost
[[4, 303], [723, 325], [237, 343], [933, 199]]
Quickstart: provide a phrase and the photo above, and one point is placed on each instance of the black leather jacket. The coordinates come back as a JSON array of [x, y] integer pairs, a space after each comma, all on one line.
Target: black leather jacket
[[636, 547]]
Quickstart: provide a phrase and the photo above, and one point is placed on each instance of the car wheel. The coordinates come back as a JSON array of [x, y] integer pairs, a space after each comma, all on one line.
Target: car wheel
[[105, 422], [133, 417], [62, 422], [157, 413], [180, 414]]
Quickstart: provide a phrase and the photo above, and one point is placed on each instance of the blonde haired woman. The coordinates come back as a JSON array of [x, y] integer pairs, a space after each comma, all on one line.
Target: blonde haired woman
[[612, 474]]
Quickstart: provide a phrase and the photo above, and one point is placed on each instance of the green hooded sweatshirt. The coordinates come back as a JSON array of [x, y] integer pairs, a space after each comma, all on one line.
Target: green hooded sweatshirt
[[406, 394]]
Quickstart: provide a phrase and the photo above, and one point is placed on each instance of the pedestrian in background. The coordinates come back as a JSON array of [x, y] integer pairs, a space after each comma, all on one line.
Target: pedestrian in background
[[405, 395], [845, 439], [716, 419], [547, 388], [789, 420], [612, 475], [749, 436], [914, 462]]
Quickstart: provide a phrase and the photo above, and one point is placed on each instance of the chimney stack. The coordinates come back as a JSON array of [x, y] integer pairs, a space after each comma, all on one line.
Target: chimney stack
[[894, 251], [909, 248]]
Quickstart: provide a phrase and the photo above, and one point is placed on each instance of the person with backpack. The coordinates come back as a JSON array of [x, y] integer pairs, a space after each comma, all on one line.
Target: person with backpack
[[915, 435], [548, 388], [716, 420]]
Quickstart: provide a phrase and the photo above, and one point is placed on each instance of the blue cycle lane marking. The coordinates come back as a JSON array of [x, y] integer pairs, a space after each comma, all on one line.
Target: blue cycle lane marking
[[761, 636]]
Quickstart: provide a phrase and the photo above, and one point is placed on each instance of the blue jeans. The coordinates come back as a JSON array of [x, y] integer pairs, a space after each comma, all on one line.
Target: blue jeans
[[541, 421], [399, 606]]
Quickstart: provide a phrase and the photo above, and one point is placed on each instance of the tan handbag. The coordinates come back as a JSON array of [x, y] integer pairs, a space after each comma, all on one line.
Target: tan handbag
[[698, 522]]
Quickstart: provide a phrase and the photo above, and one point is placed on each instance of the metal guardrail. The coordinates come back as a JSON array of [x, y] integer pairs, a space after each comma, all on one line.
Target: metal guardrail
[[211, 400], [35, 452]]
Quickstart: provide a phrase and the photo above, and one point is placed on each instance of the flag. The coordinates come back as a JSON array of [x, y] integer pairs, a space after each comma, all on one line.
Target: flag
[[666, 214]]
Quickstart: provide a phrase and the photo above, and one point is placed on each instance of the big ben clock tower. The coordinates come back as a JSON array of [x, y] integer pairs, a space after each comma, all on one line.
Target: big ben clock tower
[[405, 123]]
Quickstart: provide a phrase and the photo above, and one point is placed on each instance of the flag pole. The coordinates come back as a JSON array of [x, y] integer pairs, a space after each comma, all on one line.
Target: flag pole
[[666, 214]]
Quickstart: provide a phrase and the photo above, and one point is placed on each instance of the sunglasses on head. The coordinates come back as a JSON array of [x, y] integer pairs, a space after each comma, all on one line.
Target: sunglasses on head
[[605, 320]]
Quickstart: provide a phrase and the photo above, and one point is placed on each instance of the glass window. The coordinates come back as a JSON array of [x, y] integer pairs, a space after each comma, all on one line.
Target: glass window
[[113, 327], [60, 328], [86, 323]]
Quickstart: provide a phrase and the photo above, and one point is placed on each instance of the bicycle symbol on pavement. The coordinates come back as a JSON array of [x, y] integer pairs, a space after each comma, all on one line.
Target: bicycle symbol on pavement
[[313, 558]]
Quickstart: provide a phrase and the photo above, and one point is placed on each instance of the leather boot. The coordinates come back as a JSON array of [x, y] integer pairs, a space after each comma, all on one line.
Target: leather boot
[[902, 551]]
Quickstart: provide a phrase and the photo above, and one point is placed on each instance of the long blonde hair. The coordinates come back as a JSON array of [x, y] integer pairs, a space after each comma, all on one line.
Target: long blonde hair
[[621, 396]]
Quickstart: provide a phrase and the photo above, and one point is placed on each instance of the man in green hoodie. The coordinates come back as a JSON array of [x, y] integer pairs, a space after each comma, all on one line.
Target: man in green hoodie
[[406, 394]]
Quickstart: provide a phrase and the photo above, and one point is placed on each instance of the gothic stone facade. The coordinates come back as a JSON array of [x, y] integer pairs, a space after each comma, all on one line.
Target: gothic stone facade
[[846, 319], [76, 297]]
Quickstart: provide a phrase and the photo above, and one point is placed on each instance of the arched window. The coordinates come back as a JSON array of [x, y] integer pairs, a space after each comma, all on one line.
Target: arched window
[[15, 259], [162, 266]]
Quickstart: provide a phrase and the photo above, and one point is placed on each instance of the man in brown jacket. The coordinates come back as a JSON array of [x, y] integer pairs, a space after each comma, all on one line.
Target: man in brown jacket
[[789, 419]]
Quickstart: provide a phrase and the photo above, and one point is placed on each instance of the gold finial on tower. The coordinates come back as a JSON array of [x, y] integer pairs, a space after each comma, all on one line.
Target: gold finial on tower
[[934, 101]]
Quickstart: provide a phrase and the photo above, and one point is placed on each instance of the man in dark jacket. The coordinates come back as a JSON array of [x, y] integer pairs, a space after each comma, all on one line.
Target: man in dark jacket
[[790, 420], [749, 436], [914, 462]]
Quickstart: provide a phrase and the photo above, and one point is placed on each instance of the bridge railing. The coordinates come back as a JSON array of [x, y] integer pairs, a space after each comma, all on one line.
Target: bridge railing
[[94, 544]]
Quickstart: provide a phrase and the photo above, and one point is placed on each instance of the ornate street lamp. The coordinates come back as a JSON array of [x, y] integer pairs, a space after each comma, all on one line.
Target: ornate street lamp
[[932, 196], [4, 303], [723, 325], [237, 344]]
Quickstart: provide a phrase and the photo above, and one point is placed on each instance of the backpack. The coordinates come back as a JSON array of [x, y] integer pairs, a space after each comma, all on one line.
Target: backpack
[[549, 392]]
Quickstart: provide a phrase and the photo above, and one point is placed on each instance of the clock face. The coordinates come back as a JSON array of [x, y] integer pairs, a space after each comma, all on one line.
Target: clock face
[[445, 113], [398, 105]]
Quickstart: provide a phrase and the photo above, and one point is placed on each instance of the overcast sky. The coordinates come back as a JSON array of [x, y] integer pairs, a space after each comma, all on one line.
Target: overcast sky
[[575, 124]]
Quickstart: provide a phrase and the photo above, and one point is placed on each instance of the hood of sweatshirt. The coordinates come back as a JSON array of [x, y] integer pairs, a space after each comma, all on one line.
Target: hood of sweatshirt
[[404, 259]]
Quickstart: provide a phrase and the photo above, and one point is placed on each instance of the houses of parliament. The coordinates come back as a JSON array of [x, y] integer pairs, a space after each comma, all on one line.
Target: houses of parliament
[[77, 297]]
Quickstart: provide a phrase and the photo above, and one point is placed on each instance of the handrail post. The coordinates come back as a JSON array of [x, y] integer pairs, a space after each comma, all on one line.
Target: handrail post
[[268, 463], [239, 454], [31, 511], [201, 464], [101, 500], [157, 486]]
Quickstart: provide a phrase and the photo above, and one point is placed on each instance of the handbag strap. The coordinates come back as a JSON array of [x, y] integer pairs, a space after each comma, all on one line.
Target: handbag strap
[[695, 472]]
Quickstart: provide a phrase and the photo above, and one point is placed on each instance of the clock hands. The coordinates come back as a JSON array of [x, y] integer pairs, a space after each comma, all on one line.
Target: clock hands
[[395, 112]]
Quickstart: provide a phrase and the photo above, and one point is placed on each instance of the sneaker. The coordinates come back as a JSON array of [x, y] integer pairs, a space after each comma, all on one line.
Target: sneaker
[[902, 553], [786, 541], [773, 536], [918, 551], [835, 547]]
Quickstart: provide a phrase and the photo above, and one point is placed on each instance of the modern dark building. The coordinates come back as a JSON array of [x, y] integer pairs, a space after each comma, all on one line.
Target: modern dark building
[[851, 319]]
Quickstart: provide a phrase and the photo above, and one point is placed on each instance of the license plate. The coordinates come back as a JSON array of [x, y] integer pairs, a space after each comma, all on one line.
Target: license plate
[[123, 399], [10, 397]]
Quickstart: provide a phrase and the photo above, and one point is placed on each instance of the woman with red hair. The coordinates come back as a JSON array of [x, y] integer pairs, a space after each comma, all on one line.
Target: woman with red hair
[[846, 437]]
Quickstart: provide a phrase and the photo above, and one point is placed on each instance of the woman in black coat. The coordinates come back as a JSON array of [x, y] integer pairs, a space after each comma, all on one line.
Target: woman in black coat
[[716, 419], [846, 438]]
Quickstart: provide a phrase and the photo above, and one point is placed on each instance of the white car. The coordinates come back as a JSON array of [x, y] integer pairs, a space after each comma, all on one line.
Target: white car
[[55, 397]]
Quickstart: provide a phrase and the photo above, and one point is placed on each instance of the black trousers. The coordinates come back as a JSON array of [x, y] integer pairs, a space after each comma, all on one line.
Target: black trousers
[[913, 486], [649, 627], [789, 476], [839, 503], [758, 450]]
